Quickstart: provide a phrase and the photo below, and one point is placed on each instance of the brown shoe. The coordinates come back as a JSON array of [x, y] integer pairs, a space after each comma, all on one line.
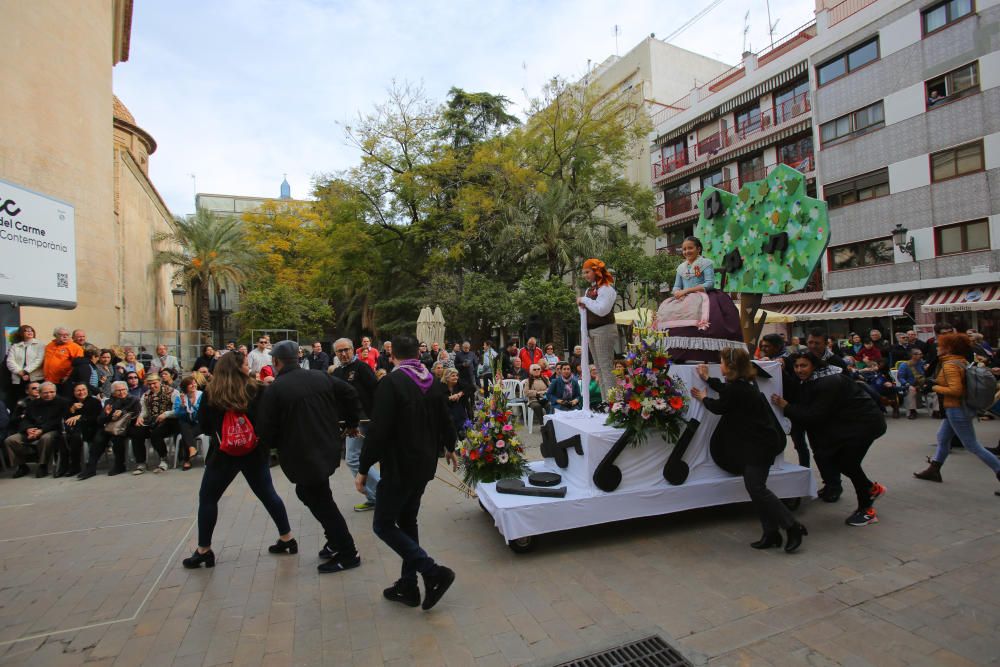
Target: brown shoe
[[932, 473]]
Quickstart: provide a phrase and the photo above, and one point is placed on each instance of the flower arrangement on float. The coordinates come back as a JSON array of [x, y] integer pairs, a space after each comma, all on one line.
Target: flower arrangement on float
[[491, 449], [645, 398]]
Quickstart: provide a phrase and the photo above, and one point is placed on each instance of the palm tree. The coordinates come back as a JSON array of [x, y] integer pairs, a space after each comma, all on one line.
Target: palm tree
[[206, 251]]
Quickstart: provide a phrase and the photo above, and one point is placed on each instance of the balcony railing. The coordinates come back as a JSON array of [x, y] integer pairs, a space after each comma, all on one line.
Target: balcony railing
[[678, 207], [714, 144]]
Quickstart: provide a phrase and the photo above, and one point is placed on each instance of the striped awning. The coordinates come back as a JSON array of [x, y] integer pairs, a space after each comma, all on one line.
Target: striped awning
[[964, 298], [889, 305]]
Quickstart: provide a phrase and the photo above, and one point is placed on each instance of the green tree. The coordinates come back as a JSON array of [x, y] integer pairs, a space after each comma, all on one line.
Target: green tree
[[638, 276], [549, 298], [267, 305], [206, 251]]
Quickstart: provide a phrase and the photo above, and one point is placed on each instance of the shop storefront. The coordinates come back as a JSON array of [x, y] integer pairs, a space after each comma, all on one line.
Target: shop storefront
[[965, 308]]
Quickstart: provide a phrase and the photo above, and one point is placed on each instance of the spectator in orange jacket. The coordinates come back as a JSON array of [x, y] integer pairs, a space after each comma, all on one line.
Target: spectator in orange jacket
[[59, 356], [531, 354]]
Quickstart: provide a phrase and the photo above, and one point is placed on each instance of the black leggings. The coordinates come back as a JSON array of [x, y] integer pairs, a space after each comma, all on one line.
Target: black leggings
[[220, 471], [845, 459]]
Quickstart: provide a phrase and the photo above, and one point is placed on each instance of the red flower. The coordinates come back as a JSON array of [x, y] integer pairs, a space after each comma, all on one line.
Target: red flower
[[676, 402], [474, 454], [634, 404], [489, 458], [659, 362]]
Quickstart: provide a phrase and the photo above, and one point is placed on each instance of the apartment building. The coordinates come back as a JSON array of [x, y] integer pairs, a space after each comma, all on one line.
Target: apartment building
[[890, 108]]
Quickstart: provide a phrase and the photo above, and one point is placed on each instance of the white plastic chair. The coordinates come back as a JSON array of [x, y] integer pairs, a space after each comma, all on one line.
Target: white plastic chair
[[514, 391], [202, 443]]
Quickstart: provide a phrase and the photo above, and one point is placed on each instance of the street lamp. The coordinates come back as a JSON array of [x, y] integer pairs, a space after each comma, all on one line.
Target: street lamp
[[180, 300], [905, 245]]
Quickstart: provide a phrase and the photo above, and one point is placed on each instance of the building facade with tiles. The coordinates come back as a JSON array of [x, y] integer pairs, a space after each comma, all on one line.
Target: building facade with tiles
[[896, 116]]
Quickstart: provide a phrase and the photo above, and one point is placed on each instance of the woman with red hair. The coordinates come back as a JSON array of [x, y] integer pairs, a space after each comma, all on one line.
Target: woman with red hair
[[599, 303]]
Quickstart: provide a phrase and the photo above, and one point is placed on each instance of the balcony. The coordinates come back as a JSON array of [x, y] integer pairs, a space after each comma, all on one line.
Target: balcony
[[719, 143], [682, 208]]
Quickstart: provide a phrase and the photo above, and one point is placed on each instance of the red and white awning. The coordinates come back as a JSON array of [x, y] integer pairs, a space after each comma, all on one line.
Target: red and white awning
[[964, 298], [889, 305]]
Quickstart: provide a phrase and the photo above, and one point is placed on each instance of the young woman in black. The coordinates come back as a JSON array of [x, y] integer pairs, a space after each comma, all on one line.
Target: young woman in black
[[741, 401], [233, 389]]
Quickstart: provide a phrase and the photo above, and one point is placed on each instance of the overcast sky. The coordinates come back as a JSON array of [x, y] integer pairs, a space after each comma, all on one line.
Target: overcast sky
[[238, 92]]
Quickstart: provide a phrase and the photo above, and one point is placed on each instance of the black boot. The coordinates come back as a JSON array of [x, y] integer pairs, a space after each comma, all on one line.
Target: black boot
[[932, 473], [767, 540], [21, 471], [284, 547], [198, 559], [436, 584], [795, 533], [403, 591], [41, 471]]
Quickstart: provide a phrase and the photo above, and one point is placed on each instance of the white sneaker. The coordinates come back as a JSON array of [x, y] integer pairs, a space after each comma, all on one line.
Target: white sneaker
[[139, 469], [162, 467]]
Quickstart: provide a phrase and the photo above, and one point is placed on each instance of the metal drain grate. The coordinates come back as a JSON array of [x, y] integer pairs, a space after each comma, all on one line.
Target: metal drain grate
[[650, 651]]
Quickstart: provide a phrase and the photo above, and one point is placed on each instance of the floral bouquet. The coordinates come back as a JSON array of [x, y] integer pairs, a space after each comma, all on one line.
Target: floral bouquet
[[491, 449], [645, 398]]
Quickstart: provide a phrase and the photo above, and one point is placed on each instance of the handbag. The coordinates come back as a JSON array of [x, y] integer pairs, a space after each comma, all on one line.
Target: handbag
[[118, 426]]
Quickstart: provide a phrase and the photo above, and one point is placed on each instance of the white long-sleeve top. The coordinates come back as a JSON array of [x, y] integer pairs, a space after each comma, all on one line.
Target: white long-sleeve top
[[604, 303]]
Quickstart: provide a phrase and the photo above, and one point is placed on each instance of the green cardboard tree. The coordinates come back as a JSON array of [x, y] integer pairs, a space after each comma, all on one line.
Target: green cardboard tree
[[767, 238]]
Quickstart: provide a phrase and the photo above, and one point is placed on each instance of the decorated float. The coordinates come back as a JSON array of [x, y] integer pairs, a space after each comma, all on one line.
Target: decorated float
[[656, 451]]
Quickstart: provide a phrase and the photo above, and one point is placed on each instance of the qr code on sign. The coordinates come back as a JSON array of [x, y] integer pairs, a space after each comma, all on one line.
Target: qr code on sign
[[62, 280]]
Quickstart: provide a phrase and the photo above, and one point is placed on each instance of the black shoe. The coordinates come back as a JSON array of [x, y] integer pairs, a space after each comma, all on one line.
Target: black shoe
[[830, 495], [767, 540], [198, 559], [115, 471], [86, 474], [61, 472], [21, 471], [41, 471], [795, 534], [327, 552], [283, 547], [436, 584], [340, 563], [403, 591]]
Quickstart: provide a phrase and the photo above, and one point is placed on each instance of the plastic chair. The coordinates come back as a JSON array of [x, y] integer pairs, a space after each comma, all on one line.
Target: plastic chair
[[202, 443], [514, 391]]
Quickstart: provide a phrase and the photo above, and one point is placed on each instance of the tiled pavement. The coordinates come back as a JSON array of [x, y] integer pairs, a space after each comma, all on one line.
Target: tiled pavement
[[91, 574]]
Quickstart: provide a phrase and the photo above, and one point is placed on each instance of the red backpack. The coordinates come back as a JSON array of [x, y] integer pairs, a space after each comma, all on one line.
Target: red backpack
[[238, 437]]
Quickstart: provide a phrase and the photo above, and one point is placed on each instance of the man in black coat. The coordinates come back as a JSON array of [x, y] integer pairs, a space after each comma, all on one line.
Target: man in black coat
[[318, 359], [300, 417], [41, 426], [359, 375], [410, 424]]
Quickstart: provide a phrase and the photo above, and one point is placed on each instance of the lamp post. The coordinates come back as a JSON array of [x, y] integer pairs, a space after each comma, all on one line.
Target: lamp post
[[180, 300], [905, 245]]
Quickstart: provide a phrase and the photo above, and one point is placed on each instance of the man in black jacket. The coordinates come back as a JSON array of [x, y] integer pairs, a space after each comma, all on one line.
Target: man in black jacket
[[359, 375], [41, 426], [318, 359], [410, 423], [300, 417]]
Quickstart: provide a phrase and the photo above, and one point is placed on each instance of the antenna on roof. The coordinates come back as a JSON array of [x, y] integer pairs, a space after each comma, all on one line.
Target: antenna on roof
[[618, 31], [770, 26], [746, 30]]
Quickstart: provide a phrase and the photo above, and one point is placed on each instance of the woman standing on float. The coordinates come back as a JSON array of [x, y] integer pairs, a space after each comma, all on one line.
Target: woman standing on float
[[599, 304], [701, 319]]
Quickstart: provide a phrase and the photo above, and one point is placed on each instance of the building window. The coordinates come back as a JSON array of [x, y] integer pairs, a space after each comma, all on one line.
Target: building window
[[791, 102], [675, 238], [963, 237], [748, 121], [861, 188], [944, 13], [798, 154], [863, 253], [712, 180], [957, 161], [856, 123], [751, 169], [673, 155], [847, 62], [953, 85]]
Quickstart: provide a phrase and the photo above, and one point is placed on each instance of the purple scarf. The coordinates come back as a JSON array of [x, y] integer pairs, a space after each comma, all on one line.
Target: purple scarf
[[417, 372]]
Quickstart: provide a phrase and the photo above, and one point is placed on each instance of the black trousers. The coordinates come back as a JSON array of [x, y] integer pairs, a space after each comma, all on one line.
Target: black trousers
[[395, 523], [846, 459], [772, 512], [830, 476], [100, 444], [319, 499], [74, 445], [157, 434], [189, 433]]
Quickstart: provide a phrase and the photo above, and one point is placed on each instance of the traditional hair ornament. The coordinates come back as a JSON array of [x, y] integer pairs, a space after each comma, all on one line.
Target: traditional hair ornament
[[604, 276]]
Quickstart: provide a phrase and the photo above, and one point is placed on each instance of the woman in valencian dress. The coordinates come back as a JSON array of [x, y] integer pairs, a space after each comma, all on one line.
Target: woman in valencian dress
[[700, 319]]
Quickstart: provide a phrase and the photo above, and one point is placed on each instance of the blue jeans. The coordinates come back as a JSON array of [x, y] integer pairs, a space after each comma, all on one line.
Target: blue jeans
[[395, 523], [353, 460], [958, 421]]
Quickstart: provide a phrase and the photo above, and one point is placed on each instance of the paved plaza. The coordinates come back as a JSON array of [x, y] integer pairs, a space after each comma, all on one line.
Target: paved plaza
[[92, 575]]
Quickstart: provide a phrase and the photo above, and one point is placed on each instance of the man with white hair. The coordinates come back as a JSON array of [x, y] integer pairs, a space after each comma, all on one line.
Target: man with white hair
[[163, 360], [121, 409], [59, 355], [40, 427]]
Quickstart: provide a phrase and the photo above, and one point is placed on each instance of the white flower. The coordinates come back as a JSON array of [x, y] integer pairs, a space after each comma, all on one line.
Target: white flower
[[503, 458]]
